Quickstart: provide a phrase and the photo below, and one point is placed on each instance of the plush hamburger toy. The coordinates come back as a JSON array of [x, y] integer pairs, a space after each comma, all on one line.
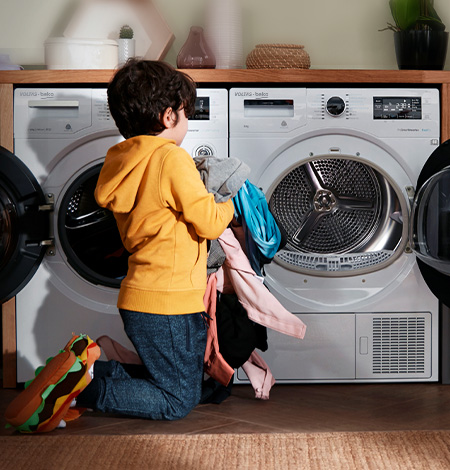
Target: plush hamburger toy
[[46, 400]]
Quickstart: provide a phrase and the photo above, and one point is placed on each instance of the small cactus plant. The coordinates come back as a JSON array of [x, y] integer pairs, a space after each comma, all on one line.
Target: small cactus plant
[[126, 32]]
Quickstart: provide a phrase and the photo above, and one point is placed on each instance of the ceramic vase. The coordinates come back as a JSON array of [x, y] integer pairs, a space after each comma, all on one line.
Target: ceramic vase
[[195, 53]]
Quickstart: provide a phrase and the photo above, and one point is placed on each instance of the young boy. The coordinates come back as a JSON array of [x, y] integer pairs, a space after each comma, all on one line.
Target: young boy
[[164, 215]]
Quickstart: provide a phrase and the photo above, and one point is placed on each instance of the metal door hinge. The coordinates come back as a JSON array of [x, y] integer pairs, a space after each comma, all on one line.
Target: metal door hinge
[[49, 206], [411, 193], [49, 203]]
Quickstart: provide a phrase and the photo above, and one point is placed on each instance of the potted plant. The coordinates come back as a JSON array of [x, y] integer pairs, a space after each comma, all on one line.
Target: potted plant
[[126, 43], [419, 35]]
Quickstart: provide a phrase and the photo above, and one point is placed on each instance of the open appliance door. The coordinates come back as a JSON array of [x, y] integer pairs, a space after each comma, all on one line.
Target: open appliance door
[[24, 225], [430, 223]]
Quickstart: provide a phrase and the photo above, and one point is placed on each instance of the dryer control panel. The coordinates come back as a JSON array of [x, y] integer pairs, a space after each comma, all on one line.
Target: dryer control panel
[[267, 110], [382, 112]]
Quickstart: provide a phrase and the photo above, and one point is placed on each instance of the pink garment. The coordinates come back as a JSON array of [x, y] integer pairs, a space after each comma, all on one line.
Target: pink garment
[[214, 363], [262, 307], [259, 375]]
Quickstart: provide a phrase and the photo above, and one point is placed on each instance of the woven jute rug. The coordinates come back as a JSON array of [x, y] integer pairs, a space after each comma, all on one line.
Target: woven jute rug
[[427, 450]]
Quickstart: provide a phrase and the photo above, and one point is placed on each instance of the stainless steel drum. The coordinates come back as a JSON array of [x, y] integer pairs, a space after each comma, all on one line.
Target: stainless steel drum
[[330, 207]]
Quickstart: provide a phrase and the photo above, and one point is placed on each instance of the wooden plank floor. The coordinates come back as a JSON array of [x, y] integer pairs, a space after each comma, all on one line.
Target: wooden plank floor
[[291, 408]]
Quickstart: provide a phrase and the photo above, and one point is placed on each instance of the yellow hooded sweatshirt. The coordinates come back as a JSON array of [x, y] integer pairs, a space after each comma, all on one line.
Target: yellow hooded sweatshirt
[[164, 215]]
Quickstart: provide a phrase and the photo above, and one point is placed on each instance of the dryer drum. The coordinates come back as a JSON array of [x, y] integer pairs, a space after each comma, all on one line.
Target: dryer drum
[[335, 206]]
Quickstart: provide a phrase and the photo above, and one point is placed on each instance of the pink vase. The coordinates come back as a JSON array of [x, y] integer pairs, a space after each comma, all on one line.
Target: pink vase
[[195, 53]]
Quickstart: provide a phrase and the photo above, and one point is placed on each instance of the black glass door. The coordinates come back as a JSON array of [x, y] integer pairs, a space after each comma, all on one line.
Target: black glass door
[[24, 225], [430, 223]]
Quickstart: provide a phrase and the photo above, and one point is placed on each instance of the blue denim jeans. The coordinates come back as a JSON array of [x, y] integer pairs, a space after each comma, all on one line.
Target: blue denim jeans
[[168, 384]]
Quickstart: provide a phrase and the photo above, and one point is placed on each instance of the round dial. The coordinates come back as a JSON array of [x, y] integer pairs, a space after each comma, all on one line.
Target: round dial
[[204, 151], [335, 106]]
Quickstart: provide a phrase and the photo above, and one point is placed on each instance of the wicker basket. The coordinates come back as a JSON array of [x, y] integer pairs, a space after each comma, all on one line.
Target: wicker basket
[[278, 56]]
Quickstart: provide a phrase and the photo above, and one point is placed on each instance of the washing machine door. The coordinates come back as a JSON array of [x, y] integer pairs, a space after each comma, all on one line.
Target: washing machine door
[[24, 225], [430, 222]]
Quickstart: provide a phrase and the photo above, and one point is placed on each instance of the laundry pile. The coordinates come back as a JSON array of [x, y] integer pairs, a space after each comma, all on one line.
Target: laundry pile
[[239, 306]]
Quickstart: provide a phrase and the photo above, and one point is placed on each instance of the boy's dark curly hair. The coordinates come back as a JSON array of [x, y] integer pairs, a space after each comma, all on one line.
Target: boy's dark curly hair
[[142, 90]]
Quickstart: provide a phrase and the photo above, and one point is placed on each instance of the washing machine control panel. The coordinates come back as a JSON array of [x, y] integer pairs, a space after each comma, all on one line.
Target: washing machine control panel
[[208, 127], [60, 113]]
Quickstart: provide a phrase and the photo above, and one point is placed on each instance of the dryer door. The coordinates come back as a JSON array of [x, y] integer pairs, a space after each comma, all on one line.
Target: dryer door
[[430, 222], [24, 225]]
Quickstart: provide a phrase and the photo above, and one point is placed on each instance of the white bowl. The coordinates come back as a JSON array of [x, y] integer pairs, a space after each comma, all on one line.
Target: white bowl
[[71, 53]]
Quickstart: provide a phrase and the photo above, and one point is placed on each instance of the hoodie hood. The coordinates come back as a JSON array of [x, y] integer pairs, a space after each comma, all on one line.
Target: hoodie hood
[[123, 170]]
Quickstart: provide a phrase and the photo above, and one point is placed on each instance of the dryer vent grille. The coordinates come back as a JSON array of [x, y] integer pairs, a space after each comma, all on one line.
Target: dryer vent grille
[[336, 263], [399, 345]]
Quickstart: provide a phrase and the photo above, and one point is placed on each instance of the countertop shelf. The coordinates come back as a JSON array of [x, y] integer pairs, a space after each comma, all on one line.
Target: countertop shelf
[[240, 76]]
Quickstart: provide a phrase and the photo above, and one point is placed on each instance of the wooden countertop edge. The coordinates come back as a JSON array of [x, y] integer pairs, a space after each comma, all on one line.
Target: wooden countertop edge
[[32, 77]]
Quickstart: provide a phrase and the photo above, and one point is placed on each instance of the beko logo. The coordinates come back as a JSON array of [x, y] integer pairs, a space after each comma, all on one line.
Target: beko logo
[[42, 94], [256, 94]]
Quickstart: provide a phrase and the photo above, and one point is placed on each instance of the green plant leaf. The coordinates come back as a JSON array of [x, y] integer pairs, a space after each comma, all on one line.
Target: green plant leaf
[[431, 18], [415, 14], [405, 12], [432, 23]]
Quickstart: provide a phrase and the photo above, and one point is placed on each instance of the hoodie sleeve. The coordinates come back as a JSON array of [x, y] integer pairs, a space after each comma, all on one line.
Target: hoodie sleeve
[[183, 190]]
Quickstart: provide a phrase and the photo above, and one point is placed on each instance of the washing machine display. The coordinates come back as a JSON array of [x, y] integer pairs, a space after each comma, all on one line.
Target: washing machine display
[[208, 127], [340, 173], [61, 253]]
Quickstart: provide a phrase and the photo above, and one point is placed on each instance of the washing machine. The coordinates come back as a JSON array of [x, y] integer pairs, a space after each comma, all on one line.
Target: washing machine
[[61, 254], [360, 188]]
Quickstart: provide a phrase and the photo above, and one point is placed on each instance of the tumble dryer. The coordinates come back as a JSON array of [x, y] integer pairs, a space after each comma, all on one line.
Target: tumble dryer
[[61, 254], [349, 179]]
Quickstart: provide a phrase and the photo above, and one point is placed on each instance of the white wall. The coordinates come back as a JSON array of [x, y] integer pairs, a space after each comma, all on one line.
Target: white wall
[[336, 33]]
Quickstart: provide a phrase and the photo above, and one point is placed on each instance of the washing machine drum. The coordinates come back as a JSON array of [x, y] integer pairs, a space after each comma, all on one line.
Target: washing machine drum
[[88, 234], [330, 207]]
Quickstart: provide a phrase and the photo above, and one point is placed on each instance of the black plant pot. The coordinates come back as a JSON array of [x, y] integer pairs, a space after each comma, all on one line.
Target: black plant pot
[[421, 50]]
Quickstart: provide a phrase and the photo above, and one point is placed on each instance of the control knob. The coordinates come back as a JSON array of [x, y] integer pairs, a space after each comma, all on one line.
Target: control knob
[[335, 106]]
